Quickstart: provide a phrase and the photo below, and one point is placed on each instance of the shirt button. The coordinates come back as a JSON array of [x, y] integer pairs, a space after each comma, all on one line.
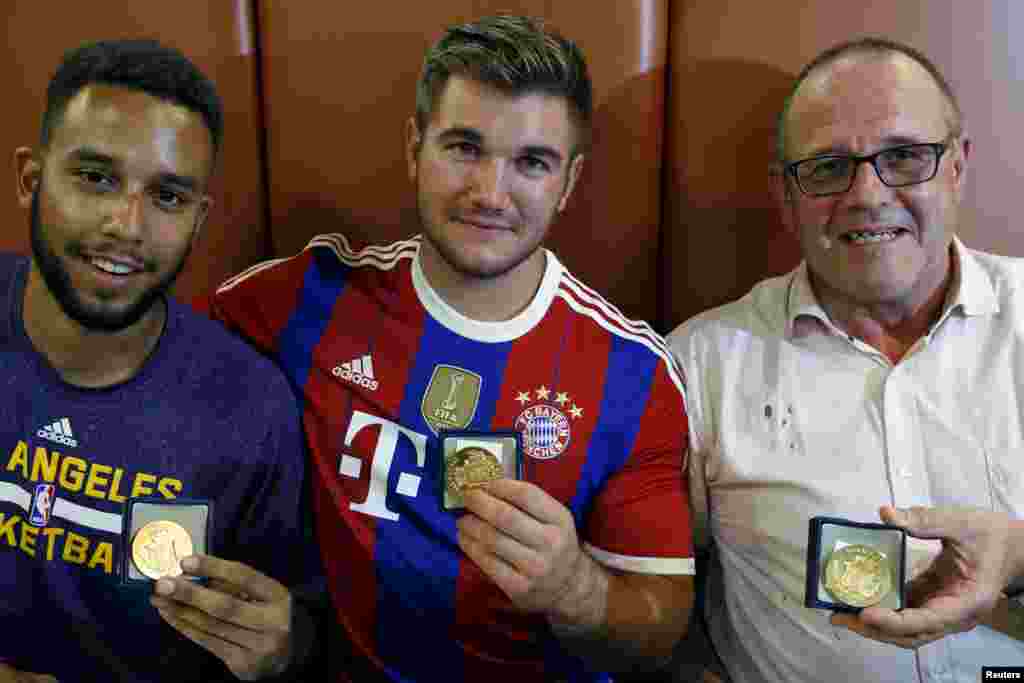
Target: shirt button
[[905, 472]]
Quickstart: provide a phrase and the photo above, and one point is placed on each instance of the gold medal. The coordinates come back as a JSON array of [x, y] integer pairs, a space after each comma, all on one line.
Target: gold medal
[[858, 575], [471, 467], [159, 547]]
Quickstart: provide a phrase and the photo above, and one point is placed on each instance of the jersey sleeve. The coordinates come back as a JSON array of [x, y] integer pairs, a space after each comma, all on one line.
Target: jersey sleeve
[[259, 302], [640, 521]]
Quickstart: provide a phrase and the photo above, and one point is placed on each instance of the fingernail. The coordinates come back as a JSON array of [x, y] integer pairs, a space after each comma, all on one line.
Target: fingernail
[[189, 564], [164, 587]]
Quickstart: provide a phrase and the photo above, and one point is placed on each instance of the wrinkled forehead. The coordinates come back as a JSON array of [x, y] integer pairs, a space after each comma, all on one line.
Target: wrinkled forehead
[[865, 99]]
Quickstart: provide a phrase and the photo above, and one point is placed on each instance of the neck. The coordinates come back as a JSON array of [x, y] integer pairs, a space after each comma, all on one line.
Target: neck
[[892, 328], [486, 299], [83, 357]]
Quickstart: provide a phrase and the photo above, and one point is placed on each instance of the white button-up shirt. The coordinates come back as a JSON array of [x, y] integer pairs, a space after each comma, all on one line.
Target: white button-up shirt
[[790, 418]]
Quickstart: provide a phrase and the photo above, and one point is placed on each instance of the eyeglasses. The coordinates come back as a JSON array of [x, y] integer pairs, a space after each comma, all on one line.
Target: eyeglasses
[[898, 166]]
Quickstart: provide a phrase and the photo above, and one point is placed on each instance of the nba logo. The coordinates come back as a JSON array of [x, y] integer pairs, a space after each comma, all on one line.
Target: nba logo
[[42, 504]]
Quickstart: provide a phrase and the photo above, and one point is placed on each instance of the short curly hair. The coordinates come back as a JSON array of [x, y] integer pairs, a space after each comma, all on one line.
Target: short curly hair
[[144, 65]]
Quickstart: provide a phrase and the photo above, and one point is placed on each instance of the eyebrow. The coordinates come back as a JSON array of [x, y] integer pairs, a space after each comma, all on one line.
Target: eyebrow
[[94, 156], [474, 136], [461, 133], [187, 183]]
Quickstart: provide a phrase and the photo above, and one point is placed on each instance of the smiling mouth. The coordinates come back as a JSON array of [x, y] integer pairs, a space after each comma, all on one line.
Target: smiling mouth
[[484, 225], [111, 267], [872, 237]]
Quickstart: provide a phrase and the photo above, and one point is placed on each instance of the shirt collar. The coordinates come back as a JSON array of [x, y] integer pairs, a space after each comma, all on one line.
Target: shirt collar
[[971, 292]]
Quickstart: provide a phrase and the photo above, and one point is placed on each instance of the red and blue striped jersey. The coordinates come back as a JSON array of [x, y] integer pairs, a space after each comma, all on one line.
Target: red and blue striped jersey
[[383, 364]]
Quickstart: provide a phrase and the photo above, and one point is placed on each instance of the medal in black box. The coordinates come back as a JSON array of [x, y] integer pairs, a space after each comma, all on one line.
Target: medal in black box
[[472, 458], [157, 533], [853, 565]]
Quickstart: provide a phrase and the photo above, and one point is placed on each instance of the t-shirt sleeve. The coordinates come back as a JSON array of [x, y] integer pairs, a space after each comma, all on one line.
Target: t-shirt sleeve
[[640, 521], [277, 533], [257, 304], [273, 517]]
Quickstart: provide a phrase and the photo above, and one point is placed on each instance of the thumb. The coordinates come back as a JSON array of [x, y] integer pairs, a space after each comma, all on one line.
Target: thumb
[[920, 522]]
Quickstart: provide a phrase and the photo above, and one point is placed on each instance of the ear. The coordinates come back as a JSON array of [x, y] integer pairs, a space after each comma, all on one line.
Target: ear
[[961, 155], [785, 198], [202, 213], [575, 168], [413, 139], [28, 172]]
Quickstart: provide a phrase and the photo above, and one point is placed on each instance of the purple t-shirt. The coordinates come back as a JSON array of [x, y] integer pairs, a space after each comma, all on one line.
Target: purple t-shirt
[[206, 417]]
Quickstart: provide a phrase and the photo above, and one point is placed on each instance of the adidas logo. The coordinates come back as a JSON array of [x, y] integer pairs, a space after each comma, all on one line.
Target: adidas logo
[[359, 372], [60, 432]]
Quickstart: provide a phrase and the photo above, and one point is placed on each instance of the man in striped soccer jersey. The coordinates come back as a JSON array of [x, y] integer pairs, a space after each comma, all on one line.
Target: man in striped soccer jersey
[[584, 564]]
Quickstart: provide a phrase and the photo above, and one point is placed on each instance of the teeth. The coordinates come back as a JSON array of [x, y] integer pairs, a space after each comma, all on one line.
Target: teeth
[[867, 238], [111, 267]]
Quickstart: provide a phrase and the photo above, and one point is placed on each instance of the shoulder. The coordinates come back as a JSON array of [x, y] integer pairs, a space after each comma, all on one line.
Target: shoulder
[[633, 338], [12, 269], [10, 262], [1006, 273], [327, 252], [10, 266], [760, 312], [384, 257], [220, 366], [261, 301]]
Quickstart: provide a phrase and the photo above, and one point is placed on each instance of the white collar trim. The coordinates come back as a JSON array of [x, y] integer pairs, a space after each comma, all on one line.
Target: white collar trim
[[492, 332]]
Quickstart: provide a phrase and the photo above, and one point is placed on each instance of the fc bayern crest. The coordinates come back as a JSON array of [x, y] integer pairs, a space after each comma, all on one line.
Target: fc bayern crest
[[545, 428], [545, 431]]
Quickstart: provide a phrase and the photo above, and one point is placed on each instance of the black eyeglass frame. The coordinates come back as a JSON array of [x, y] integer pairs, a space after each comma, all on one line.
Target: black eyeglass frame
[[938, 147]]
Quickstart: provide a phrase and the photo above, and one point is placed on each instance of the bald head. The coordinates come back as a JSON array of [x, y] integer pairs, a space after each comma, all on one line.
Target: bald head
[[819, 78]]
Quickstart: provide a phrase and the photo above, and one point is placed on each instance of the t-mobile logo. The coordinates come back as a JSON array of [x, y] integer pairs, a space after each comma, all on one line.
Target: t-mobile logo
[[383, 457]]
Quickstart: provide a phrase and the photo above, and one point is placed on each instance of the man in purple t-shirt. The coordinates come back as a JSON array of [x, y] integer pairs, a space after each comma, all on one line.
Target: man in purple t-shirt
[[113, 391]]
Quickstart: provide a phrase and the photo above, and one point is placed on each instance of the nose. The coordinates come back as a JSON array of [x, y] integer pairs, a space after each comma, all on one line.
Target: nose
[[126, 216], [867, 189], [488, 185]]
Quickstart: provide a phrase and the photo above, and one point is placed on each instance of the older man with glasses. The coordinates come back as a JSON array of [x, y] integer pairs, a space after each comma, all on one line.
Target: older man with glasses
[[885, 370]]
